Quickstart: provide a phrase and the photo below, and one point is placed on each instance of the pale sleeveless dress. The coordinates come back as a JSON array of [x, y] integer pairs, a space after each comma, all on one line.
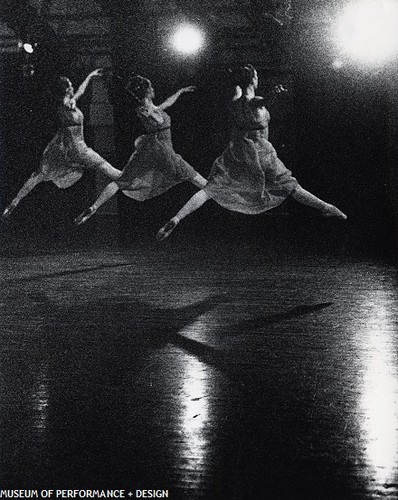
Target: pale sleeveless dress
[[154, 167], [248, 176], [67, 155]]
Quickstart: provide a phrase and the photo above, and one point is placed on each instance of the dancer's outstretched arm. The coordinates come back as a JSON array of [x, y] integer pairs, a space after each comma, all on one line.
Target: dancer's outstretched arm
[[110, 190], [271, 96], [35, 179], [80, 91], [172, 99]]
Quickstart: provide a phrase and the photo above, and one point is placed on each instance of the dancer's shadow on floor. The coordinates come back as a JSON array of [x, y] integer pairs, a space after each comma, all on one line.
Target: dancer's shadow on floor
[[127, 329], [123, 331], [253, 325]]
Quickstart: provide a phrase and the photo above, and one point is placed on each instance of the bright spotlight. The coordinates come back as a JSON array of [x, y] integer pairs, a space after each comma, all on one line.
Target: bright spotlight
[[187, 39], [368, 30], [28, 47]]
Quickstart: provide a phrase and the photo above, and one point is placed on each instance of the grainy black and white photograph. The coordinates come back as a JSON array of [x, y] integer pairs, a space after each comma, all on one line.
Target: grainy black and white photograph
[[199, 237]]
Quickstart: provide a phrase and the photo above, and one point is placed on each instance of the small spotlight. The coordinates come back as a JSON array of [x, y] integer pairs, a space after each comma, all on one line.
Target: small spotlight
[[337, 64], [187, 39], [28, 47]]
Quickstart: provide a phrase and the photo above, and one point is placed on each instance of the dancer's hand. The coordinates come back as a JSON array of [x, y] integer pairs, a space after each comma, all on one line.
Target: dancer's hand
[[279, 89], [8, 211], [97, 72], [191, 88]]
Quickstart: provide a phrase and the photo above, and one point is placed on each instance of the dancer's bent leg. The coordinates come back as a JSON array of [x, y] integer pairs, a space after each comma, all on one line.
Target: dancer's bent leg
[[35, 179], [110, 190], [193, 204], [307, 198]]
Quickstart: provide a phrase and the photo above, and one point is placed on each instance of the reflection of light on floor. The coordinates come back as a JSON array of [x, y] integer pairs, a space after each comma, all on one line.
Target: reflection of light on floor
[[40, 400], [195, 413], [195, 392], [380, 392]]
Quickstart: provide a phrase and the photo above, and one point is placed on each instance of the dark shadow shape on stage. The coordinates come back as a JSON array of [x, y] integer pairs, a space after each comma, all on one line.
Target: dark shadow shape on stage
[[134, 326], [131, 327], [137, 324], [97, 359], [251, 325], [68, 272]]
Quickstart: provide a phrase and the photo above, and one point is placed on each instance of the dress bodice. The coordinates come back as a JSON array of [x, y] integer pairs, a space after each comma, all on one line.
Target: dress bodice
[[250, 115], [155, 121], [70, 117]]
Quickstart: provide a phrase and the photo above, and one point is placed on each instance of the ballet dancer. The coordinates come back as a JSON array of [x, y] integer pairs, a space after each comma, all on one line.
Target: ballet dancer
[[67, 155], [154, 167], [248, 176]]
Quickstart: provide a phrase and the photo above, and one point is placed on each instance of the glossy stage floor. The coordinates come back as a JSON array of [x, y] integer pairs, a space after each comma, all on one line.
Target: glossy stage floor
[[208, 366]]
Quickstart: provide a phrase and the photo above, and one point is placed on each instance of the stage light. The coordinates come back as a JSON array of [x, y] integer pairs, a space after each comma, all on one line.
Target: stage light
[[28, 47], [368, 30], [187, 39], [337, 64]]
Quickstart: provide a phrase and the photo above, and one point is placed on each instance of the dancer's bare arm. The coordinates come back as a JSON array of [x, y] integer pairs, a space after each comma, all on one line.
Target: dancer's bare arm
[[271, 97], [172, 99], [80, 91]]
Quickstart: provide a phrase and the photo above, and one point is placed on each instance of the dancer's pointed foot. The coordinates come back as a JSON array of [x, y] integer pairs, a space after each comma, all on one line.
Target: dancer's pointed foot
[[8, 210], [333, 211], [167, 229], [83, 217]]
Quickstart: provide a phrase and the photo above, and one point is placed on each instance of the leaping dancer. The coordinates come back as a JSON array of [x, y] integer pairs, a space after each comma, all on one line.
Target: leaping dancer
[[248, 176], [154, 167], [67, 155]]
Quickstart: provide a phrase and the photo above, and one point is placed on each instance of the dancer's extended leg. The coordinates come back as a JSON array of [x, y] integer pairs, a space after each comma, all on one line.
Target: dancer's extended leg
[[199, 181], [111, 172], [110, 190], [307, 198], [193, 204], [32, 182]]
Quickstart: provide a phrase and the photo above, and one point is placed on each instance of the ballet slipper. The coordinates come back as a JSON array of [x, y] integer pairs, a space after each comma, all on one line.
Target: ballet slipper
[[166, 230], [8, 211], [333, 211], [83, 217]]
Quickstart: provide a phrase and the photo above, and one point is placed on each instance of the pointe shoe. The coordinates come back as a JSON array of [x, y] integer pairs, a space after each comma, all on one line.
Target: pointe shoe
[[166, 230], [333, 211], [83, 217], [8, 210]]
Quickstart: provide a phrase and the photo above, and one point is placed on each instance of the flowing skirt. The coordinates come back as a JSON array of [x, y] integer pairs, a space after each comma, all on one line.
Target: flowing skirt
[[154, 167], [248, 177], [66, 157]]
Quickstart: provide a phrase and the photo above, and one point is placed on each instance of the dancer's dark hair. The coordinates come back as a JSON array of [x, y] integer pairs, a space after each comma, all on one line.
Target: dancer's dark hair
[[138, 87], [243, 76], [60, 86]]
